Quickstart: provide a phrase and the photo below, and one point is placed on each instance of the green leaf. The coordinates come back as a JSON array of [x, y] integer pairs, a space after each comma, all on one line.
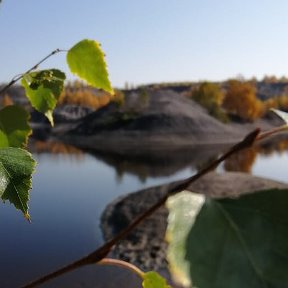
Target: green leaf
[[14, 127], [183, 209], [86, 59], [154, 280], [16, 169], [240, 242], [43, 89]]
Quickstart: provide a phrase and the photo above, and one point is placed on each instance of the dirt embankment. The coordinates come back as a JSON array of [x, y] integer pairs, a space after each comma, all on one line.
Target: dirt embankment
[[164, 120]]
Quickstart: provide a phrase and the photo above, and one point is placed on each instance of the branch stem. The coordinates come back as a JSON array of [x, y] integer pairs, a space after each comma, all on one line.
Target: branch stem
[[123, 264], [20, 76], [179, 186], [271, 132]]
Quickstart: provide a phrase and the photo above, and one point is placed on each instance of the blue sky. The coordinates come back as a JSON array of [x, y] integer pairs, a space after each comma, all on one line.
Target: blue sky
[[153, 40]]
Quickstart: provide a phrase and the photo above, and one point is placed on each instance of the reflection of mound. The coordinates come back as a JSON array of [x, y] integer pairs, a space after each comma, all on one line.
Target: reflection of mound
[[158, 163], [145, 246], [168, 120]]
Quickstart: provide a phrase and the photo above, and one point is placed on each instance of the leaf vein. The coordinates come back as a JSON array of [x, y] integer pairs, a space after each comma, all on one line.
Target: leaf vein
[[234, 227]]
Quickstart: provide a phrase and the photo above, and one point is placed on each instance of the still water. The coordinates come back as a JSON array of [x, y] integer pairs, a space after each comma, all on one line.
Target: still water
[[70, 191]]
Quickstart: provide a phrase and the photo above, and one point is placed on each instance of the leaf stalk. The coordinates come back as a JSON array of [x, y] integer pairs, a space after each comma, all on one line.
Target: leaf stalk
[[20, 76]]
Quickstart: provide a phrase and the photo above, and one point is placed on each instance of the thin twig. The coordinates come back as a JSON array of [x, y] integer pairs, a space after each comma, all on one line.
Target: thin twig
[[20, 76], [271, 132], [123, 264], [247, 142], [102, 252]]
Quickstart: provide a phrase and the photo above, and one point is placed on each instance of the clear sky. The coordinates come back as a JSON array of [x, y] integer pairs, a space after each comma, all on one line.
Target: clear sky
[[153, 40]]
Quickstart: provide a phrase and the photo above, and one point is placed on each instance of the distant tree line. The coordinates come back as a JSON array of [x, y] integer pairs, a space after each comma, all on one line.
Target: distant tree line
[[236, 98], [78, 93], [75, 93]]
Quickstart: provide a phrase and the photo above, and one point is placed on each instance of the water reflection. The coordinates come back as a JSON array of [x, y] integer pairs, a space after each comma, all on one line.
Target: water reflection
[[241, 162], [159, 163], [54, 148], [245, 160], [70, 191], [151, 164], [155, 164]]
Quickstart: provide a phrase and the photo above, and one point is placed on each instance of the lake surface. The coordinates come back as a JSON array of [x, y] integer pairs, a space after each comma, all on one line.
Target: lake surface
[[70, 192]]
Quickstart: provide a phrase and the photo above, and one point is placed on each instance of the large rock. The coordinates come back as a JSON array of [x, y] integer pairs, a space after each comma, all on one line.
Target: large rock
[[146, 246]]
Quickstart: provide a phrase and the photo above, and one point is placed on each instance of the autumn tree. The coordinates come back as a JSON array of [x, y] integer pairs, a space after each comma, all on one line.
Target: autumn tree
[[210, 96], [241, 100], [270, 79], [207, 94], [77, 93]]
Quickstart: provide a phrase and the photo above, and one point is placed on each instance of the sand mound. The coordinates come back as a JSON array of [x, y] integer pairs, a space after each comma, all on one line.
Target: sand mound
[[166, 119]]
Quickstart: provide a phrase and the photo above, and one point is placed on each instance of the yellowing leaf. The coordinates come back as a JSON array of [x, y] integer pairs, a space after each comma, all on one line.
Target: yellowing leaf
[[86, 60], [154, 280]]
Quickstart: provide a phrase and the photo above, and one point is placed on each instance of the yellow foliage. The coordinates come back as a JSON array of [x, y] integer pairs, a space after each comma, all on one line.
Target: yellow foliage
[[240, 99], [79, 94], [6, 101], [280, 102], [207, 94]]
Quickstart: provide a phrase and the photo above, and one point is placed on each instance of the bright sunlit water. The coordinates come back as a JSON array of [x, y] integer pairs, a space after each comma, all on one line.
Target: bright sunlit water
[[69, 194], [274, 167]]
